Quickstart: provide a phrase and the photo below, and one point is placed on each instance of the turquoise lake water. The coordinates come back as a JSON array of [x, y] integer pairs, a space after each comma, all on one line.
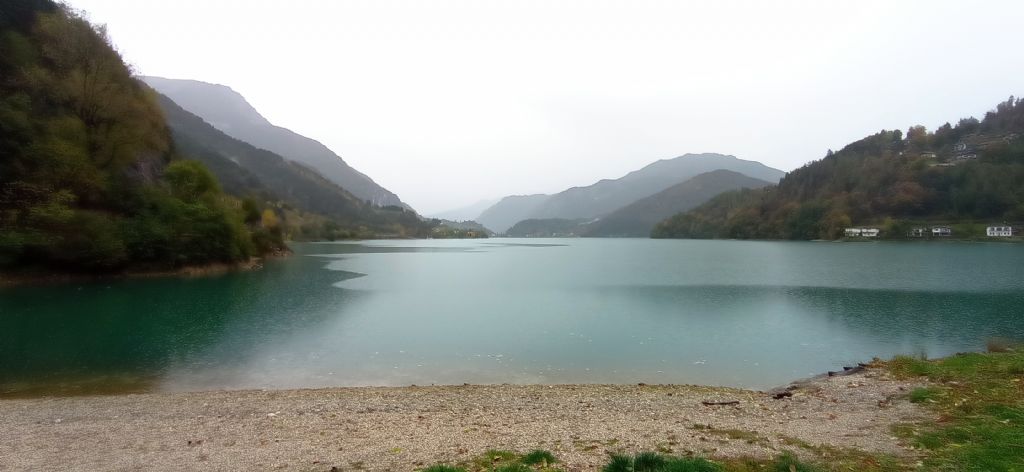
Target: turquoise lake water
[[732, 313]]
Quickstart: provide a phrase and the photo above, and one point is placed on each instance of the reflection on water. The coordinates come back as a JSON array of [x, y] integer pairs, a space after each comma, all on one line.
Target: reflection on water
[[749, 314]]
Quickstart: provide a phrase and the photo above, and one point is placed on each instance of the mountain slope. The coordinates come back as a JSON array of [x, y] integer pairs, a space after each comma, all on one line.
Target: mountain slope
[[547, 228], [89, 179], [971, 174], [510, 210], [638, 218], [466, 213], [609, 195], [606, 196], [246, 170], [230, 113]]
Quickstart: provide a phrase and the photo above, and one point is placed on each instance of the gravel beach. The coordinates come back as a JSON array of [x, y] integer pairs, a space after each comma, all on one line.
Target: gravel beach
[[407, 428]]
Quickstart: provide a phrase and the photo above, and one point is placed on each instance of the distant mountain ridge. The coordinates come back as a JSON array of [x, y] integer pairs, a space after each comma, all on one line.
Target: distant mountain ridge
[[608, 195], [638, 218], [510, 210], [229, 112], [247, 171], [243, 168], [466, 213]]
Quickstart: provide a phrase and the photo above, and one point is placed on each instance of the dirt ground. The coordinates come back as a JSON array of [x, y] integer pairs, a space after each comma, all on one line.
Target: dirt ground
[[408, 428]]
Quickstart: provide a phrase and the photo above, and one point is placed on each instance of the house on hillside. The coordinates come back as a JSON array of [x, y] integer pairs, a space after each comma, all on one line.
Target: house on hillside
[[929, 155], [964, 151], [942, 231], [999, 231], [917, 232], [861, 232]]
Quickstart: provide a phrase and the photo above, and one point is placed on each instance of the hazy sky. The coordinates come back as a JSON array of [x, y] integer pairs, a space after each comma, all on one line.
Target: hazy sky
[[449, 102]]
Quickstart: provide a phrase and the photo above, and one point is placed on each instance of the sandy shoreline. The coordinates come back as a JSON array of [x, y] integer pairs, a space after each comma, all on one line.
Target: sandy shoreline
[[405, 428]]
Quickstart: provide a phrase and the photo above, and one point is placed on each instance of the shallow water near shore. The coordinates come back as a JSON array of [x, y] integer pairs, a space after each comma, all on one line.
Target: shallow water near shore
[[728, 313]]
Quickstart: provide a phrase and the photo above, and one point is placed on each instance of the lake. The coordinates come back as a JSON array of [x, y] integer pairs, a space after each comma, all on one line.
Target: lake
[[729, 313]]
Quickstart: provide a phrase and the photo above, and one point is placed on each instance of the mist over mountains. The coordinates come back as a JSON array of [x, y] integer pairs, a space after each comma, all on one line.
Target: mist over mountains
[[468, 212], [606, 196], [229, 112], [638, 218]]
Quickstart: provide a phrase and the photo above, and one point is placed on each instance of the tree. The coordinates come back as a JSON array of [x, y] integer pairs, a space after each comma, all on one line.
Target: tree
[[269, 220], [190, 180], [918, 137]]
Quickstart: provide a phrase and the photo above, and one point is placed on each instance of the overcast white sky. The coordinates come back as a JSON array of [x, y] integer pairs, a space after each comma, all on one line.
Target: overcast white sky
[[449, 102]]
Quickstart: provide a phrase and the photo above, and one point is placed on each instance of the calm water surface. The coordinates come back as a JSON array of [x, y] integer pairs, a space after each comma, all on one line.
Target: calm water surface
[[745, 314]]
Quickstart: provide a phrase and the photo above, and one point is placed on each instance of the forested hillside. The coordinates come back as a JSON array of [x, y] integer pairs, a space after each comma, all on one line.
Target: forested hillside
[[229, 112], [89, 179], [970, 172], [310, 206], [547, 228]]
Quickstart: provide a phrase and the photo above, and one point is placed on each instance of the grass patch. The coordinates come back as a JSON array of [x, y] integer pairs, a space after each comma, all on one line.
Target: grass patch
[[443, 468], [498, 460], [538, 457], [980, 400], [652, 462], [830, 458], [924, 394], [789, 463], [494, 458]]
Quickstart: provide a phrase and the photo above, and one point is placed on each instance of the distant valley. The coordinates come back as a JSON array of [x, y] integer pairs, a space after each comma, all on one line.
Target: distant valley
[[608, 196]]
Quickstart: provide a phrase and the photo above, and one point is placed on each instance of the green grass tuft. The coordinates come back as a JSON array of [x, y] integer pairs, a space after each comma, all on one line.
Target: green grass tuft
[[653, 462], [443, 468], [789, 463], [924, 394], [538, 457], [648, 462]]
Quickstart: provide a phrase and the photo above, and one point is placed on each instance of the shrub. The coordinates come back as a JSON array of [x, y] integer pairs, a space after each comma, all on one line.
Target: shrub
[[653, 462], [538, 457]]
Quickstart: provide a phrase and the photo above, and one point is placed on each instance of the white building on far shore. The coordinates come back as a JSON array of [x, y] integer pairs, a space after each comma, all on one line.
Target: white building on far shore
[[999, 231], [861, 232]]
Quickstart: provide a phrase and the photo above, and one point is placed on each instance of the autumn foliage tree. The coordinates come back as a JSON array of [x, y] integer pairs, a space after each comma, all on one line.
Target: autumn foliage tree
[[89, 179]]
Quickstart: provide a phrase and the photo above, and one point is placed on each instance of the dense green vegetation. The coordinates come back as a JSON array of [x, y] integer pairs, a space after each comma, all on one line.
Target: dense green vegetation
[[547, 228], [233, 115], [972, 172], [444, 229], [89, 177], [96, 176], [310, 206]]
